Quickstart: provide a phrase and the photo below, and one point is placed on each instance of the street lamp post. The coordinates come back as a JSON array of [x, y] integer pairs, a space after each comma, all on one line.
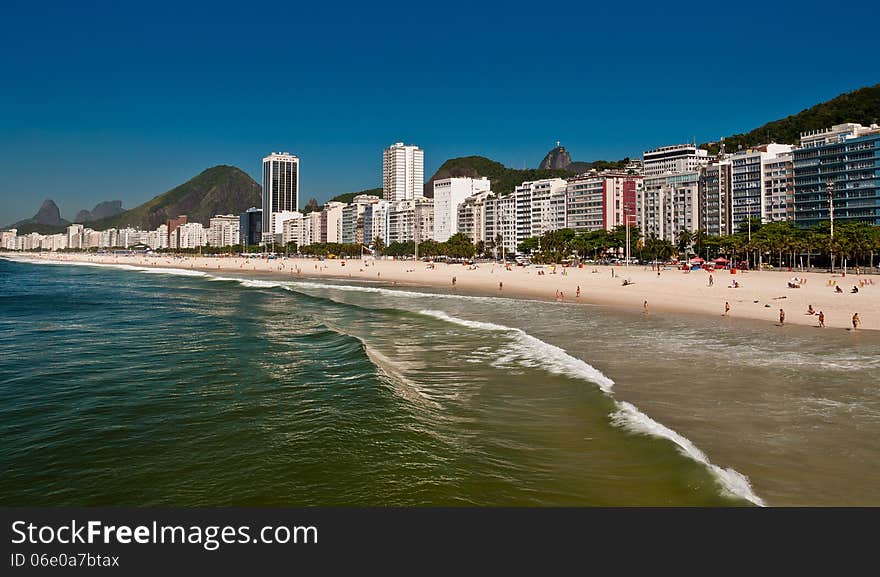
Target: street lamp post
[[417, 228], [626, 220], [829, 186], [749, 221]]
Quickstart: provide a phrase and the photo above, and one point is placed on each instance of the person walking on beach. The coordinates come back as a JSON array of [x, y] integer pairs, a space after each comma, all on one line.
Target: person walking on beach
[[856, 321], [821, 319], [711, 280], [726, 308], [500, 286], [781, 317], [453, 281], [578, 293], [645, 307]]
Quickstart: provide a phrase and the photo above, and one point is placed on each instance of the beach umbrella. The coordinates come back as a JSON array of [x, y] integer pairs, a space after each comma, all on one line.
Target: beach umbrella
[[697, 259], [720, 259]]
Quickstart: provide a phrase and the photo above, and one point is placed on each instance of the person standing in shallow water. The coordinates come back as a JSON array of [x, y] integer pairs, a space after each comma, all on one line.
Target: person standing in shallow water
[[726, 308], [856, 321], [781, 317], [821, 319]]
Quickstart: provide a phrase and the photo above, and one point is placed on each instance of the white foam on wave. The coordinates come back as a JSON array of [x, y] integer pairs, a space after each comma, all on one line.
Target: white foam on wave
[[732, 481], [174, 271], [532, 352], [393, 292], [535, 353], [81, 263]]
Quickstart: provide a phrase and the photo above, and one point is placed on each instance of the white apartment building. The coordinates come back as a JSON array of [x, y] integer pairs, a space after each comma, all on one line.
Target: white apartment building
[[92, 238], [837, 133], [748, 195], [54, 242], [223, 230], [298, 230], [108, 238], [448, 194], [472, 216], [75, 236], [189, 235], [278, 219], [540, 207], [7, 239], [280, 188], [409, 220], [158, 239], [315, 227], [778, 173], [353, 218], [672, 159], [668, 204], [403, 172], [376, 221], [331, 222], [500, 218]]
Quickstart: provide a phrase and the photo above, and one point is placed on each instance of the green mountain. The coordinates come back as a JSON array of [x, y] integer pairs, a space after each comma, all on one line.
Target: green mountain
[[861, 106], [218, 190], [503, 179], [349, 196]]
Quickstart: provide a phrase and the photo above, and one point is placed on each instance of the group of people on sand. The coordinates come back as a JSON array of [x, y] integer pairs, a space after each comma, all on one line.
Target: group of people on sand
[[856, 321]]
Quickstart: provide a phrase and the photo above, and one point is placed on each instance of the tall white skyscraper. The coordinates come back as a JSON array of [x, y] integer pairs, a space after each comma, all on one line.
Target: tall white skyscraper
[[403, 172], [280, 188]]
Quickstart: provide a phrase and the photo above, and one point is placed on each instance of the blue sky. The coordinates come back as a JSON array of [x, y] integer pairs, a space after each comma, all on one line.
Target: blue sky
[[118, 100]]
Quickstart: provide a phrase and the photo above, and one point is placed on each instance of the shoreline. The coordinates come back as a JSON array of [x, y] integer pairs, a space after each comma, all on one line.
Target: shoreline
[[671, 292]]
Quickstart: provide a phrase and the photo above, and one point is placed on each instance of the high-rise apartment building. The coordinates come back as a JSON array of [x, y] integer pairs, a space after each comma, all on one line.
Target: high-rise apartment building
[[669, 204], [748, 195], [280, 188], [714, 185], [672, 159], [403, 172], [448, 194], [250, 226], [540, 207], [843, 161], [601, 201]]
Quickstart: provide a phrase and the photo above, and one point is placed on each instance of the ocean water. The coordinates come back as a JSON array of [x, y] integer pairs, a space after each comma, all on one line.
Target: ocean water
[[130, 386]]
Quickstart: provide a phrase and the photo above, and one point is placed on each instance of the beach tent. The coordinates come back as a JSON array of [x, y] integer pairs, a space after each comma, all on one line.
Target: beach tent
[[721, 259]]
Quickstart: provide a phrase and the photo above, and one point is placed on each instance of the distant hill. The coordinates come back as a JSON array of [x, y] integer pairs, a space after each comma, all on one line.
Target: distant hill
[[861, 106], [104, 209], [349, 196], [218, 190], [503, 179], [47, 220], [560, 159]]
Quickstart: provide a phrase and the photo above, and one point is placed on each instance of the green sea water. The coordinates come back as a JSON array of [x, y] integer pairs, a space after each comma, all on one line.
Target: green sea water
[[126, 386]]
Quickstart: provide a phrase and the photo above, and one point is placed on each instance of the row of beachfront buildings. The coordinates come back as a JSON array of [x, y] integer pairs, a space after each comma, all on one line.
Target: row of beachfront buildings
[[671, 189]]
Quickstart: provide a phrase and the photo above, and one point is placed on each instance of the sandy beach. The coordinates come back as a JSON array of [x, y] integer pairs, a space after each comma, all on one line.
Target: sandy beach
[[760, 295]]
